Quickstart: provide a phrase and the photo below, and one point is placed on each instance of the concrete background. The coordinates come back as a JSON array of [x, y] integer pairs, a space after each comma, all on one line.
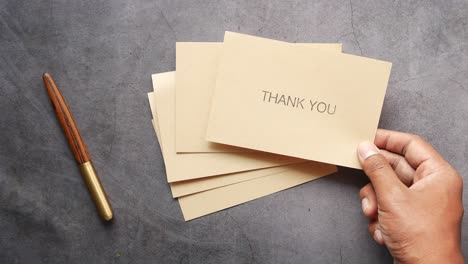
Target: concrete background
[[102, 53]]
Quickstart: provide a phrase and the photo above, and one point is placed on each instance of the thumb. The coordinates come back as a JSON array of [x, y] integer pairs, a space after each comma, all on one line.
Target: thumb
[[377, 168]]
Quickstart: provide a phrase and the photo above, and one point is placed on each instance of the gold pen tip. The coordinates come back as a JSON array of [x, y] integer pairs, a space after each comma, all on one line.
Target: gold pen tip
[[96, 190]]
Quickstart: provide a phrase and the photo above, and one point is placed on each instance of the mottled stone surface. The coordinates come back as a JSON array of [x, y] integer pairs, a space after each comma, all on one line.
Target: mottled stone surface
[[102, 53]]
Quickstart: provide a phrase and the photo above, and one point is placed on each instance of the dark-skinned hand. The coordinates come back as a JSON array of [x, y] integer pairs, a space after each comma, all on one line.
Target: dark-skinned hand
[[414, 201]]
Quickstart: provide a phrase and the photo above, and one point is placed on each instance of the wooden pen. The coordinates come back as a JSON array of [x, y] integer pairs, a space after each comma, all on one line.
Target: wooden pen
[[78, 147]]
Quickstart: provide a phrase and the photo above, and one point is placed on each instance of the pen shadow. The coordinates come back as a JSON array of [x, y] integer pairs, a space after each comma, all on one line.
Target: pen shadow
[[107, 224]]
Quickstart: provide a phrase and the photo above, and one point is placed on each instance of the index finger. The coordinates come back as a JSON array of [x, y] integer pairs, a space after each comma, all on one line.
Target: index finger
[[412, 147]]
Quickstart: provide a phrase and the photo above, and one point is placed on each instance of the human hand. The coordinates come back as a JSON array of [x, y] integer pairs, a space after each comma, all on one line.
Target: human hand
[[414, 201]]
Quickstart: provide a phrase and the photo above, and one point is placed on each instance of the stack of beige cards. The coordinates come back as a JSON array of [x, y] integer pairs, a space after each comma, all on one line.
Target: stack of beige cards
[[248, 117]]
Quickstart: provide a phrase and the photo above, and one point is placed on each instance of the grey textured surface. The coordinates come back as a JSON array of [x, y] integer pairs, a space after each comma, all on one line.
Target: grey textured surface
[[102, 53]]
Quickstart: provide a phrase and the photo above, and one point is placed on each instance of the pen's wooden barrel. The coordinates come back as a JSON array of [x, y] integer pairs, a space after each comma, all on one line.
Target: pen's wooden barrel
[[66, 120]]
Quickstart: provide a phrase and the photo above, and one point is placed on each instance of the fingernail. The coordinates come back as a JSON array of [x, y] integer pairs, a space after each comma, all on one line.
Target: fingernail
[[365, 204], [367, 149], [378, 236]]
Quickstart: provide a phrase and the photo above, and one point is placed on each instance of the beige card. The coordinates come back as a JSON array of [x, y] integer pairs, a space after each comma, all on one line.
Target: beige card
[[211, 201], [186, 167], [197, 64], [311, 104]]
